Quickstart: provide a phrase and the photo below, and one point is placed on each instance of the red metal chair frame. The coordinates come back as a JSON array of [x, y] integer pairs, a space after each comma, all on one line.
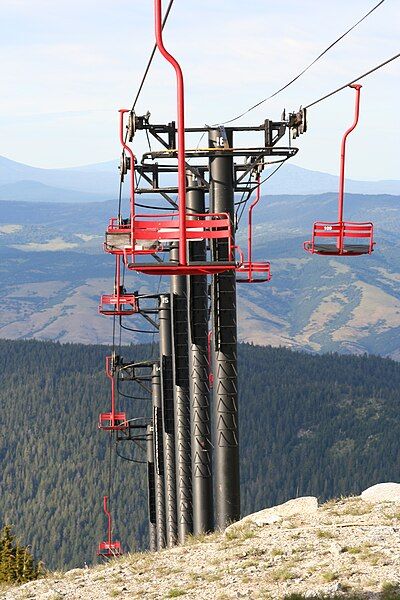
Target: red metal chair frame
[[343, 229], [119, 303], [109, 549], [113, 420], [253, 271], [340, 231]]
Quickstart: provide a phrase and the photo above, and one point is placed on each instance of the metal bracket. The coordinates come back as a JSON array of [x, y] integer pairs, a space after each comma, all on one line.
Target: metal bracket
[[135, 122], [298, 122], [274, 131]]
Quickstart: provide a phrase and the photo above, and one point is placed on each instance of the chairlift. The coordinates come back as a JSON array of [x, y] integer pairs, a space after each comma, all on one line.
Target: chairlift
[[343, 238], [109, 548], [113, 420], [147, 234], [251, 271]]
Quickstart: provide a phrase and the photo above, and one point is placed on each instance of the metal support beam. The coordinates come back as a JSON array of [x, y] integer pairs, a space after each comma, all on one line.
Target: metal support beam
[[158, 457], [203, 520], [151, 489], [181, 400], [224, 326], [167, 386]]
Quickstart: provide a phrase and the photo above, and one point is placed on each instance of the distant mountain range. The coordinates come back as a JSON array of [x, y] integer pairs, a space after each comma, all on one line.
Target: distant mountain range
[[100, 181], [54, 270]]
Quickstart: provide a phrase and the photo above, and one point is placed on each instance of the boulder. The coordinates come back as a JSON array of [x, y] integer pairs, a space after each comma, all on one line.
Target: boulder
[[298, 506], [382, 492]]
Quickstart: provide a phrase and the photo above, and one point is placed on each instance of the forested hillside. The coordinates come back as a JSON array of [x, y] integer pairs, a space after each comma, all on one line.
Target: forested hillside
[[324, 425]]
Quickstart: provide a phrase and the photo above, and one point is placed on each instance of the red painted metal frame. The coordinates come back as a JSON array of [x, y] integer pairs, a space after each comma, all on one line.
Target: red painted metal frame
[[109, 549], [181, 132], [119, 303], [343, 229], [253, 271], [113, 420]]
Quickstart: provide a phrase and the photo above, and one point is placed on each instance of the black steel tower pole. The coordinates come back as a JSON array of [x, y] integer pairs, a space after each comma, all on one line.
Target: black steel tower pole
[[151, 489], [223, 302], [158, 457], [167, 386], [199, 375], [181, 400]]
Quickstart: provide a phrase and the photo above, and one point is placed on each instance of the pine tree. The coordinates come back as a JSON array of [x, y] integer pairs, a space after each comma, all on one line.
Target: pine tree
[[17, 565]]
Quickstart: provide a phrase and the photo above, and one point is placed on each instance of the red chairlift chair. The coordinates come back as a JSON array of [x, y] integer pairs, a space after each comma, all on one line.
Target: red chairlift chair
[[160, 230], [113, 420], [342, 238], [109, 549], [120, 303], [145, 234], [253, 271]]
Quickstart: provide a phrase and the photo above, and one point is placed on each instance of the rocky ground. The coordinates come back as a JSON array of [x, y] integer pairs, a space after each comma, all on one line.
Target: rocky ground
[[346, 548]]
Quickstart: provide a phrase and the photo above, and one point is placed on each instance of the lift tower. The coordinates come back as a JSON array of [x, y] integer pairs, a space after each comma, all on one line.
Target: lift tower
[[210, 255]]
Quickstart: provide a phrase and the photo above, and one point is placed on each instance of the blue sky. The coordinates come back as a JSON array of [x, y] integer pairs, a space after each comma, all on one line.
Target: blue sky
[[67, 67]]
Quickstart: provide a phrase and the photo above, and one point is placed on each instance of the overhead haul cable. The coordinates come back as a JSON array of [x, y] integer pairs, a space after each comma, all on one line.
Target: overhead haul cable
[[151, 58], [342, 87]]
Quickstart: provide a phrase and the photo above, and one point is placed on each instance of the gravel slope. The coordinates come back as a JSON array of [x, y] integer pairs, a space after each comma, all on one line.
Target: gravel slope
[[346, 548]]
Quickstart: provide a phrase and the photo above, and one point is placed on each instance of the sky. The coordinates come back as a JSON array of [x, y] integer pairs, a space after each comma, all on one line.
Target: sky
[[68, 66]]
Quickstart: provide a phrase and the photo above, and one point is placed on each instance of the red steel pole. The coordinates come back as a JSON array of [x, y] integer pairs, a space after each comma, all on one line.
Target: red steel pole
[[117, 279], [128, 150], [111, 377], [357, 87], [250, 226], [105, 499], [181, 133]]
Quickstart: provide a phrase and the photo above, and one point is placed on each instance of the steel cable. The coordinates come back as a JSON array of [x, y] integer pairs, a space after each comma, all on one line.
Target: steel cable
[[342, 87], [284, 87]]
